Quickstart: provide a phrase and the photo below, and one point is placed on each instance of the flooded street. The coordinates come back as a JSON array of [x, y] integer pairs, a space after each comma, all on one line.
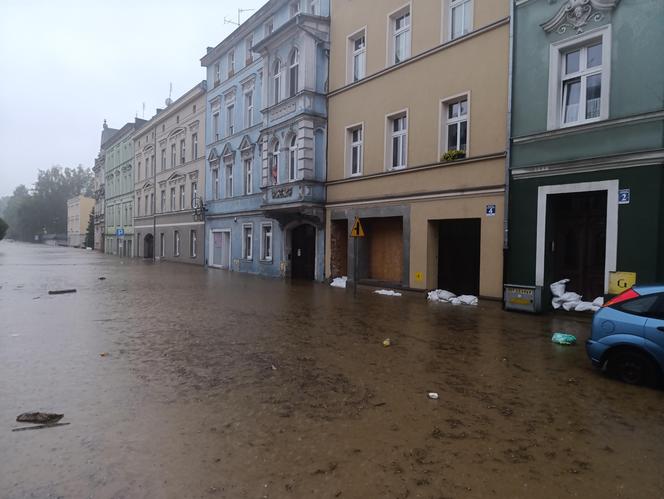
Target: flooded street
[[218, 384]]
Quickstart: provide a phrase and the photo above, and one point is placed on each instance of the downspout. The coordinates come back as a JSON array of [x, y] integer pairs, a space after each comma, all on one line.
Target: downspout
[[508, 155], [154, 199]]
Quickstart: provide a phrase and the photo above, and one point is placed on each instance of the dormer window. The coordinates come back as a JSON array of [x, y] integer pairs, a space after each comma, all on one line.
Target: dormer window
[[295, 8], [231, 63], [269, 27], [248, 47]]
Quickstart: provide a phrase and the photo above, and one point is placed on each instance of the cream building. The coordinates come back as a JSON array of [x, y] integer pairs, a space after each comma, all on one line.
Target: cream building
[[417, 142], [78, 217]]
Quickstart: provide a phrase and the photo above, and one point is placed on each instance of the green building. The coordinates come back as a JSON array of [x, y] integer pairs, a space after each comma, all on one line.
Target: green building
[[587, 157]]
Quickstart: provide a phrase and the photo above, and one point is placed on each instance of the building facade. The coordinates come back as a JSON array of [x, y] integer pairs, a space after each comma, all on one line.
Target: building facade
[[587, 161], [79, 209], [99, 171], [119, 191], [265, 146], [417, 143], [169, 181]]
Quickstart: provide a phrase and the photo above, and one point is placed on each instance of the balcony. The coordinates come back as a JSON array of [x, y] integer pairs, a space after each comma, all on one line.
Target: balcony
[[301, 199]]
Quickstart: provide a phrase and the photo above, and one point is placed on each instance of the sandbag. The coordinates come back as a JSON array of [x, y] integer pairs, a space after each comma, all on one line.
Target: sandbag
[[570, 296], [558, 288], [445, 295], [598, 302], [571, 305], [468, 299], [583, 306]]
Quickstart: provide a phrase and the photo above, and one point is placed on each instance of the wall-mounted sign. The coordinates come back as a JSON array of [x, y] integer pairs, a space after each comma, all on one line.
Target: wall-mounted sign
[[621, 281], [419, 276], [624, 196], [119, 232], [491, 210], [357, 230]]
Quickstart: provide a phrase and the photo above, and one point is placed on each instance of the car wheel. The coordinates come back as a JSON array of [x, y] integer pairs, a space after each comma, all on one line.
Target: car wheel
[[632, 368]]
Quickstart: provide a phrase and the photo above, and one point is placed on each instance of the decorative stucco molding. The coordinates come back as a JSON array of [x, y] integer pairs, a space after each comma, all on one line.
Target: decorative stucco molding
[[576, 14]]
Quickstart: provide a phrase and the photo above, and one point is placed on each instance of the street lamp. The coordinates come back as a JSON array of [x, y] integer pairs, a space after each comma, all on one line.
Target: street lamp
[[199, 209]]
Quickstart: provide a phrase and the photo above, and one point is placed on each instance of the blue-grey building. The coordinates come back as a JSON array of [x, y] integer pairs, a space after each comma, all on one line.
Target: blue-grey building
[[266, 142]]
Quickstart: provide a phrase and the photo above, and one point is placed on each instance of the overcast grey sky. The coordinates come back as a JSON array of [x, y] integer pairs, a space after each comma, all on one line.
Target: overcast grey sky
[[66, 65]]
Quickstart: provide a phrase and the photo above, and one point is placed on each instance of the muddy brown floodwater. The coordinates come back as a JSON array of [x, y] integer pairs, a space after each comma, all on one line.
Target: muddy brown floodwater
[[218, 384]]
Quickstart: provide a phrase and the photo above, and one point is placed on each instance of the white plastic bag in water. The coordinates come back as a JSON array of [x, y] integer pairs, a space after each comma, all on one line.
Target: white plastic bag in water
[[468, 300], [584, 306], [558, 288], [570, 305], [571, 296], [445, 295], [557, 303]]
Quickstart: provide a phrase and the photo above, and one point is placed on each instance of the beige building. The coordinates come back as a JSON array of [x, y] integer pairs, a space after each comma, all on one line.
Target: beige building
[[78, 217], [170, 180], [417, 142]]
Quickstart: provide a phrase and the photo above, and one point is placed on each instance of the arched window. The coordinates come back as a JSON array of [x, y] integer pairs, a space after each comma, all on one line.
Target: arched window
[[294, 72], [277, 81], [292, 159], [274, 164]]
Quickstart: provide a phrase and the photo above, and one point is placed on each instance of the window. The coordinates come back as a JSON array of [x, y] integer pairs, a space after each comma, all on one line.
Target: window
[[461, 18], [183, 156], [295, 8], [274, 164], [276, 75], [147, 205], [231, 63], [163, 159], [644, 306], [177, 119], [152, 208], [193, 109], [194, 146], [138, 207], [217, 73], [294, 72], [176, 243], [138, 171], [582, 84], [579, 79], [183, 198], [269, 27], [215, 183], [163, 201], [313, 7], [230, 120], [398, 134], [162, 245], [193, 239], [356, 151], [400, 36], [456, 126], [247, 176], [247, 238], [194, 193], [266, 242], [248, 109], [173, 156], [172, 198], [229, 181], [248, 47], [358, 56], [215, 126], [153, 165], [292, 160]]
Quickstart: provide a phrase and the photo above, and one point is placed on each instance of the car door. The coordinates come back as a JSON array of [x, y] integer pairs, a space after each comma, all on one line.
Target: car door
[[654, 327]]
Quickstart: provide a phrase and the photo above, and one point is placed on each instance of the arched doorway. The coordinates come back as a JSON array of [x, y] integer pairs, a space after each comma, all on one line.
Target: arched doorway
[[303, 252], [148, 246]]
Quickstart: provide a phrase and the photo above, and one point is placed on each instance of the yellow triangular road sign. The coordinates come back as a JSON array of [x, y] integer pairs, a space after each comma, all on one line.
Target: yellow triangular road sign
[[357, 231]]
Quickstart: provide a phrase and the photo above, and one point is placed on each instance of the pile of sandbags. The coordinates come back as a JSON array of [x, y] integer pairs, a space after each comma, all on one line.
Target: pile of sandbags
[[571, 301], [339, 282], [448, 297]]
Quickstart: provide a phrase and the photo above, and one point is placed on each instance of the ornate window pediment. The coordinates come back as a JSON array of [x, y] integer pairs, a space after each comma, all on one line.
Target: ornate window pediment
[[228, 154], [246, 147], [576, 14], [213, 156], [175, 177], [175, 133], [194, 125]]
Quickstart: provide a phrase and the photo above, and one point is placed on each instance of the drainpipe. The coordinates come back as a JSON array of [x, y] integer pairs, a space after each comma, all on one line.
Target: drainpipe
[[508, 155], [154, 198]]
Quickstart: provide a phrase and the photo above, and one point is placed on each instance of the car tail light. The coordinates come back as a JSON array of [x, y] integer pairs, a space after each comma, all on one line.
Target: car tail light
[[630, 294]]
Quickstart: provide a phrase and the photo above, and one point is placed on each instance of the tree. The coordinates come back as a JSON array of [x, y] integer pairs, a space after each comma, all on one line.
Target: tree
[[90, 234], [3, 229]]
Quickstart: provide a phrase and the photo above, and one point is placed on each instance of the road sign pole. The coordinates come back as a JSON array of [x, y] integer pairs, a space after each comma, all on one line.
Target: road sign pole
[[356, 252]]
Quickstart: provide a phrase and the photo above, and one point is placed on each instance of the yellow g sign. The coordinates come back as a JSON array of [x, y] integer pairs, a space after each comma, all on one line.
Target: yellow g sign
[[621, 281], [419, 276]]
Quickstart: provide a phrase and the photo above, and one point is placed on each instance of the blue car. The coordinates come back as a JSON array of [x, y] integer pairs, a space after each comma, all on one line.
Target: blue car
[[628, 336]]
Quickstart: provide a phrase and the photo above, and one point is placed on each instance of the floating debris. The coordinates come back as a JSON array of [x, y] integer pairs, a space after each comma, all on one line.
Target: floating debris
[[563, 339], [39, 417], [61, 291]]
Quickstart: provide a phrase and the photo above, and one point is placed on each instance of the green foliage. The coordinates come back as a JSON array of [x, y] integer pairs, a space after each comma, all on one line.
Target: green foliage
[[453, 155], [90, 234], [44, 208], [3, 229]]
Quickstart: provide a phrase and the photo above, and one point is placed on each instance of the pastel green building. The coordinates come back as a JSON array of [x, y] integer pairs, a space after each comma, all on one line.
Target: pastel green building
[[587, 157]]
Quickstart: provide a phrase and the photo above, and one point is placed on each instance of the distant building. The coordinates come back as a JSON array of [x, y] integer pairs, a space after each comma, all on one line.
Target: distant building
[[266, 146], [99, 188], [78, 216], [119, 190], [169, 179]]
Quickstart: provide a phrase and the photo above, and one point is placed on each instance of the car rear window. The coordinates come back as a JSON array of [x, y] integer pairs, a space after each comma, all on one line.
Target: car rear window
[[646, 306]]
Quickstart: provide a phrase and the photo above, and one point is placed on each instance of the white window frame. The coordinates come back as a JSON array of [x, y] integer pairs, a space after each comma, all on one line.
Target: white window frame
[[230, 119], [217, 73], [353, 54], [228, 193], [294, 72], [194, 146], [231, 64], [264, 257], [215, 183], [556, 66], [349, 149], [162, 245], [392, 33], [274, 163], [248, 164], [215, 127], [194, 192], [390, 134], [183, 151], [248, 46], [443, 122], [247, 229], [276, 81], [183, 198], [173, 198], [193, 242], [176, 243], [249, 109], [292, 159], [451, 6]]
